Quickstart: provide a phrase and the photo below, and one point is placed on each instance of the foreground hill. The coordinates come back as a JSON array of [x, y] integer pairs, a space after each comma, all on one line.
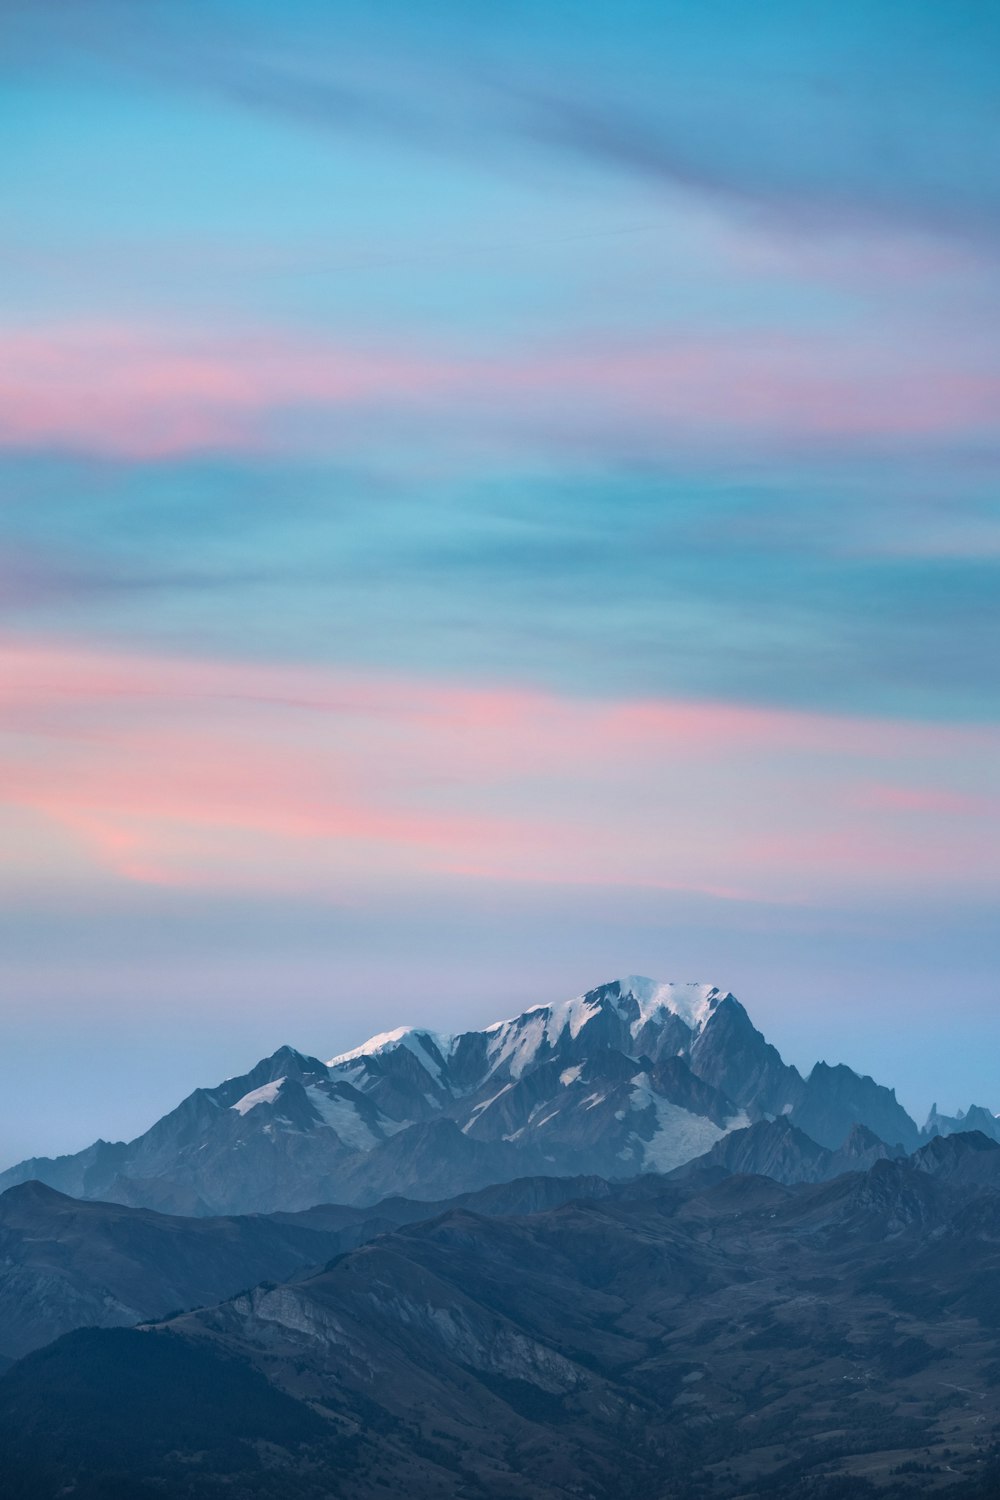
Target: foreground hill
[[737, 1339], [68, 1264], [634, 1076]]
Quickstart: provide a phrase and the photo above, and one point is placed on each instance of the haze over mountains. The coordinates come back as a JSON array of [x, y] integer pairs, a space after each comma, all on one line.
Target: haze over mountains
[[634, 1076]]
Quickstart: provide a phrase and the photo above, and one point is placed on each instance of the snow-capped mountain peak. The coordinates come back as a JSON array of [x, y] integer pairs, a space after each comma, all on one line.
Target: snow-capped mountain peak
[[642, 1004], [691, 1003], [633, 1012], [634, 1075], [430, 1048]]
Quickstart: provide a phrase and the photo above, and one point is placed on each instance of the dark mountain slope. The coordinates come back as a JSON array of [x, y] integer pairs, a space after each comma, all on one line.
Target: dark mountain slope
[[971, 1159], [779, 1149], [736, 1339], [67, 1264], [116, 1405], [835, 1099]]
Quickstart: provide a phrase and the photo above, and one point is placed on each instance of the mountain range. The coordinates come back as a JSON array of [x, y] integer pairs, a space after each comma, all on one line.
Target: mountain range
[[703, 1334], [612, 1248], [66, 1263], [633, 1076]]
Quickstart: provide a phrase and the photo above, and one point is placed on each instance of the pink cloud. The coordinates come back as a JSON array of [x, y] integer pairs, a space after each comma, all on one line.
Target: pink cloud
[[155, 392], [225, 774], [936, 800]]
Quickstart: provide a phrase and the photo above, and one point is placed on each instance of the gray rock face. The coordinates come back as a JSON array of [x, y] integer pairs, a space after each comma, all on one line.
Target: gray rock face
[[733, 1055], [778, 1149], [976, 1118], [633, 1076], [835, 1099]]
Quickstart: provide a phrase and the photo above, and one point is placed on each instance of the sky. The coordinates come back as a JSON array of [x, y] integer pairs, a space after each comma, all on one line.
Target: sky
[[493, 498]]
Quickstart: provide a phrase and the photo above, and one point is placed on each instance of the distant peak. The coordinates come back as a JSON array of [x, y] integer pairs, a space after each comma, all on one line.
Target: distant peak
[[383, 1041], [429, 1047]]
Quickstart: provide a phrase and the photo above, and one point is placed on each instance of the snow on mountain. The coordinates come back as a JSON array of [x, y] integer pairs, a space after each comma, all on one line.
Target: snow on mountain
[[516, 1044], [266, 1094], [639, 1002], [635, 1075], [678, 1135], [636, 1000], [691, 1003], [428, 1047], [344, 1118]]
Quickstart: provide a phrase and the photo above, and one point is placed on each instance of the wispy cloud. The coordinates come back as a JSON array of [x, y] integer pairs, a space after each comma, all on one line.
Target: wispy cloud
[[805, 120], [761, 168], [152, 391], [155, 391], [602, 399], [236, 775], [947, 802], [828, 579]]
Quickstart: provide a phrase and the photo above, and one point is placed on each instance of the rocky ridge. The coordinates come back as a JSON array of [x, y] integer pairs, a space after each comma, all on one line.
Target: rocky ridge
[[633, 1076]]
